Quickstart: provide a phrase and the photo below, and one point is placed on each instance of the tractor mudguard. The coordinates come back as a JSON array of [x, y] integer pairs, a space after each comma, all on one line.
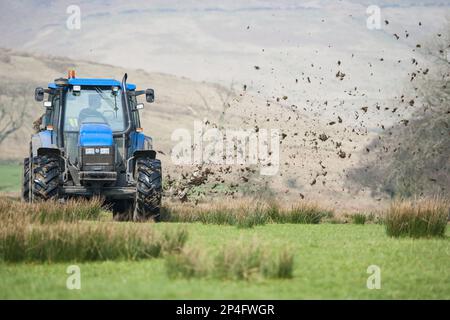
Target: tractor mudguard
[[43, 140], [144, 154], [131, 163], [48, 151], [139, 141]]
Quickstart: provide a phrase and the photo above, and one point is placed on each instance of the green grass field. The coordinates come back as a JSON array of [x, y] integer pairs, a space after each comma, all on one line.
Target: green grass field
[[10, 177], [330, 262]]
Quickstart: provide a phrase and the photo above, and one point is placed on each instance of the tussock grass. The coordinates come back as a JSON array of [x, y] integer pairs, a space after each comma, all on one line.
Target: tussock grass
[[359, 218], [302, 213], [245, 213], [417, 218], [235, 261], [241, 213], [173, 240], [85, 241], [375, 217], [188, 263], [217, 215], [51, 211], [72, 231]]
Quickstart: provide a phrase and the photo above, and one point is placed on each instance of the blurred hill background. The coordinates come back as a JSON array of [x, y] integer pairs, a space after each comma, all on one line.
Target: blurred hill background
[[365, 113]]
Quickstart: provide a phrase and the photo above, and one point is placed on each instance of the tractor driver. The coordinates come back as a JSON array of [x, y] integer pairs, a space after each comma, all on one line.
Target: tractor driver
[[91, 113]]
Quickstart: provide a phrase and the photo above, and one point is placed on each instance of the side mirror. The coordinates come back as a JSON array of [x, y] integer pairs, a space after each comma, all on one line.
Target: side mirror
[[150, 95], [39, 94], [139, 106]]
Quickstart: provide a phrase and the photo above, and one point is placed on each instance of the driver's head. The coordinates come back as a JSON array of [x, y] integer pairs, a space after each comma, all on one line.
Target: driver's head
[[94, 101]]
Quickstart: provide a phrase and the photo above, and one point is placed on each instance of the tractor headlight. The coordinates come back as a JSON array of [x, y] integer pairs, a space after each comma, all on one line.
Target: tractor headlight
[[89, 151], [104, 150]]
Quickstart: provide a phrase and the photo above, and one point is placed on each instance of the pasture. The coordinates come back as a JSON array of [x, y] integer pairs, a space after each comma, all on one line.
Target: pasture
[[330, 259]]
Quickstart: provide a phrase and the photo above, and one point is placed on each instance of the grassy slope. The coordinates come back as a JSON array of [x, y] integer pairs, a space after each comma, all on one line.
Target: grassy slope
[[10, 177], [331, 262]]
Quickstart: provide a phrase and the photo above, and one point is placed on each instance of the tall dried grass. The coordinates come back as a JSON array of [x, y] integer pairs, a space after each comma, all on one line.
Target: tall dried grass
[[418, 218], [237, 261], [300, 213], [188, 263], [71, 231], [51, 211], [249, 260], [245, 213], [85, 241]]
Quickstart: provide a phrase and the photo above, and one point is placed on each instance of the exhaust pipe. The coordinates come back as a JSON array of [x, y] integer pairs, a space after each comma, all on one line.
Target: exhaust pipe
[[127, 130]]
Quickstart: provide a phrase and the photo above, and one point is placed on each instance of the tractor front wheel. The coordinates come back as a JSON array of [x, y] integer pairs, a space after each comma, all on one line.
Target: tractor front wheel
[[45, 178], [148, 190]]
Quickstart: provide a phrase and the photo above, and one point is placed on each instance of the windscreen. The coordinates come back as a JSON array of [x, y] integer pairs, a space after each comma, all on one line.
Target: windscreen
[[94, 105]]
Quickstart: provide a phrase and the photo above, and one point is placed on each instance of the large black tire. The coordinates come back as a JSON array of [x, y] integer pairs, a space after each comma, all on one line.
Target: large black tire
[[148, 190], [26, 180], [46, 172]]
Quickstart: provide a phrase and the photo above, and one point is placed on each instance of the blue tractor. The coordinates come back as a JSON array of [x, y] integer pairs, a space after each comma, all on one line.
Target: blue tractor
[[90, 143]]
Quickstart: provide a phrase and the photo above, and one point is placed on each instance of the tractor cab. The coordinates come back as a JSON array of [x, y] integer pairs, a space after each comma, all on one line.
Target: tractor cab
[[93, 127]]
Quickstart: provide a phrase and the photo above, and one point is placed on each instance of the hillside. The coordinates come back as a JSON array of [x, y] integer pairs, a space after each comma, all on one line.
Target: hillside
[[412, 158], [222, 42]]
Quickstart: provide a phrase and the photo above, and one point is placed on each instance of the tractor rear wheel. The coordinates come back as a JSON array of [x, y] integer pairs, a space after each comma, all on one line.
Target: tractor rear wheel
[[26, 180], [46, 172], [148, 190]]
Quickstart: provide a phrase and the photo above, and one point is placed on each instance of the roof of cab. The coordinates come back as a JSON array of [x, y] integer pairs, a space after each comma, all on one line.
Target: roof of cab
[[94, 82]]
